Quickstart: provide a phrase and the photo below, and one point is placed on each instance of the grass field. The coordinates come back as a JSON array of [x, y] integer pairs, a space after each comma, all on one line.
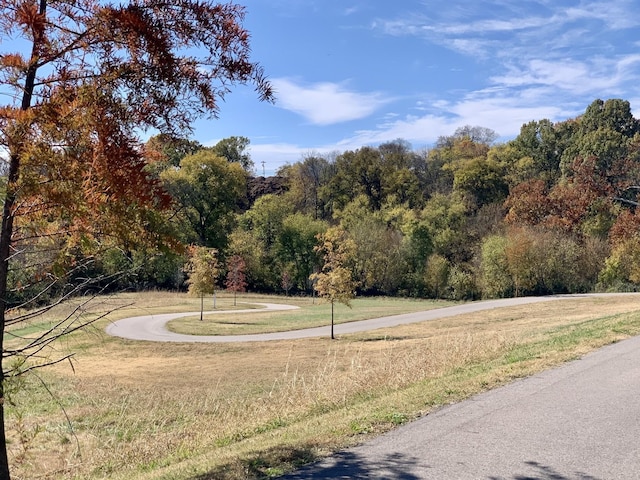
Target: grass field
[[141, 410]]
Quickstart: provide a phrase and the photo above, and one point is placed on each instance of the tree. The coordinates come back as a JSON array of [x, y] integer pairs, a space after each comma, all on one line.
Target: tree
[[236, 280], [378, 258], [495, 278], [335, 281], [207, 191], [202, 271], [234, 150], [167, 150], [257, 239], [481, 179], [539, 142], [81, 77], [444, 218], [436, 275], [305, 180], [287, 282], [294, 248]]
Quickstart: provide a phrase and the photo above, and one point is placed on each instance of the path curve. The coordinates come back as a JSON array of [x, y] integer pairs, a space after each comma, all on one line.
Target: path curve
[[153, 327]]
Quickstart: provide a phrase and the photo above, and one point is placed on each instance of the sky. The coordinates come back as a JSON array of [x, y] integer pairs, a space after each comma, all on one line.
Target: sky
[[351, 73]]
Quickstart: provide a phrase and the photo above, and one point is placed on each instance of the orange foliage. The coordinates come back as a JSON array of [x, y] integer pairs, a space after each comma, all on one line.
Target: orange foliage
[[99, 73]]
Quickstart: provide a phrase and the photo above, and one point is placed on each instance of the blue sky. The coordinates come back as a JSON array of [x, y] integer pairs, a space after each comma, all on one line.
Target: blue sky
[[349, 73]]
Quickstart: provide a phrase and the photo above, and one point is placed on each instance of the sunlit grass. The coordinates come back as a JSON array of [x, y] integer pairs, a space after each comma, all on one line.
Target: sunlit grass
[[310, 314], [143, 410]]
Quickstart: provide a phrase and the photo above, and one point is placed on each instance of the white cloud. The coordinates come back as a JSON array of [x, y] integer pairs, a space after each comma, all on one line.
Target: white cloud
[[615, 15], [325, 103], [596, 76], [541, 60], [274, 156], [533, 32], [503, 115]]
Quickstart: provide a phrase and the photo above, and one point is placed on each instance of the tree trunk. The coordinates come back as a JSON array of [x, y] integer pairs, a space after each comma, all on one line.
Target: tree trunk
[[5, 245], [4, 458], [332, 335], [6, 233]]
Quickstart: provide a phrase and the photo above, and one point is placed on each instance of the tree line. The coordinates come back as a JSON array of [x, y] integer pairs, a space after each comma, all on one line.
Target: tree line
[[552, 211], [87, 207]]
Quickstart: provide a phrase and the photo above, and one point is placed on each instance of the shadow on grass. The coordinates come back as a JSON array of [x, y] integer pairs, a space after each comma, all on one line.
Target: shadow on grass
[[385, 338], [268, 464], [276, 462], [349, 465]]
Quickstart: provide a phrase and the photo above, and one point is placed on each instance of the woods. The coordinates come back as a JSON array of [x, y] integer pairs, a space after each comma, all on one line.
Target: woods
[[89, 207], [551, 211]]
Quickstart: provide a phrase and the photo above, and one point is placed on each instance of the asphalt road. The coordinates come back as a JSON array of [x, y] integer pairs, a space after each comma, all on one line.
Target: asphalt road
[[577, 422], [152, 327]]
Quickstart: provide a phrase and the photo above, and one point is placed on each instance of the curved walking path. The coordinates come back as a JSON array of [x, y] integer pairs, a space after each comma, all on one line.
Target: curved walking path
[[153, 327]]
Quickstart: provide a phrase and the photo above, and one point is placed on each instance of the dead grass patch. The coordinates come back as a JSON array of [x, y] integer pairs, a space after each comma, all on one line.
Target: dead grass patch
[[201, 411]]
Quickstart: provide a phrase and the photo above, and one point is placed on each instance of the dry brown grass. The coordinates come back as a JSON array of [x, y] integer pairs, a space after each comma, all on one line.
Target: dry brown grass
[[202, 411]]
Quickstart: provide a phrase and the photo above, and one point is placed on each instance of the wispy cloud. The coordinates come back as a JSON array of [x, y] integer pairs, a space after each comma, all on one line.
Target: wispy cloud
[[481, 30], [501, 113], [326, 103], [545, 61], [532, 60]]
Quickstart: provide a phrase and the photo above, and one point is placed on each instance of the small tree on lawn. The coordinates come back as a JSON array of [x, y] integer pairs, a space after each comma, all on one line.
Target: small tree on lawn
[[236, 280], [335, 282], [287, 282], [202, 270]]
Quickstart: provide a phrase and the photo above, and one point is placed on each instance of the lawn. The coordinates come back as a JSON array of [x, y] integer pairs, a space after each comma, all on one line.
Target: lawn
[[312, 313], [142, 410]]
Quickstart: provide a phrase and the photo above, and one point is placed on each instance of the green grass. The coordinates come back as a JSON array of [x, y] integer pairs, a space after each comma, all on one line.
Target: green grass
[[149, 411], [309, 315]]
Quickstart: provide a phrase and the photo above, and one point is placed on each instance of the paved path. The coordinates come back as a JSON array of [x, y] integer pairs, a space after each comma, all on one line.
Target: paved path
[[153, 327], [580, 421]]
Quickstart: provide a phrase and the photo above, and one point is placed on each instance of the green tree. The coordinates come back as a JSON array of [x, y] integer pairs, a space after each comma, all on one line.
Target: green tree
[[358, 173], [259, 274], [537, 151], [202, 273], [378, 260], [167, 150], [378, 174], [265, 218], [257, 239], [605, 132], [295, 248], [436, 275], [495, 278], [306, 180], [613, 114], [234, 149], [401, 168], [481, 180], [207, 191], [79, 79], [335, 282], [445, 219]]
